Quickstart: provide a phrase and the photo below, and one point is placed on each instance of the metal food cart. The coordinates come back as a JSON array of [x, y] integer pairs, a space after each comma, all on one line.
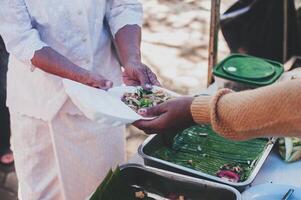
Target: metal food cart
[[274, 170]]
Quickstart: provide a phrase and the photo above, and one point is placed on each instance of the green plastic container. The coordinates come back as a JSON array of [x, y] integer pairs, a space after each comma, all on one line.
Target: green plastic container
[[241, 72]]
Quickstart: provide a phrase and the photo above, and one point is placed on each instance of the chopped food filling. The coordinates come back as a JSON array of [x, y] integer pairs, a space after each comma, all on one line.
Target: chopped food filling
[[144, 98]]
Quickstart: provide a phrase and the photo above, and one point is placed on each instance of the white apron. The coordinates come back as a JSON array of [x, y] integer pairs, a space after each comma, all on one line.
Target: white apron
[[65, 158]]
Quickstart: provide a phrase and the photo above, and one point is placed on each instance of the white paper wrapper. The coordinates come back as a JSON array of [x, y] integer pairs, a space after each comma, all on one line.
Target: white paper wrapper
[[104, 106]]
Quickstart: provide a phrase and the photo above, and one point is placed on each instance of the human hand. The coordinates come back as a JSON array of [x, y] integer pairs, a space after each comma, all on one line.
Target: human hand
[[97, 81], [173, 116], [50, 61], [137, 73]]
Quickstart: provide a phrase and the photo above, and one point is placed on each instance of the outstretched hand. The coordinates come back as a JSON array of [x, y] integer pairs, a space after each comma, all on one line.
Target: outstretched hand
[[97, 81], [173, 115], [139, 74]]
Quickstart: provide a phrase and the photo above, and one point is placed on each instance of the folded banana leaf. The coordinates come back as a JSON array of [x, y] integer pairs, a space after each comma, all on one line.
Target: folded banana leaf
[[201, 149], [100, 188], [290, 148], [114, 187]]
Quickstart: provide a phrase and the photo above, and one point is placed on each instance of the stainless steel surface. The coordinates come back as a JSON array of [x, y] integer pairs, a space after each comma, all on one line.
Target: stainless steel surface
[[288, 195], [154, 196], [213, 40], [154, 141], [160, 182]]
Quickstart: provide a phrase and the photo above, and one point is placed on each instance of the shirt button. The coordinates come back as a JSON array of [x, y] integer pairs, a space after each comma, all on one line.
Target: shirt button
[[87, 61], [84, 39], [79, 12]]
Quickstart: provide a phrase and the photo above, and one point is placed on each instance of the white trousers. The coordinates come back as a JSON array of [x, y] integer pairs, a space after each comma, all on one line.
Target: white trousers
[[64, 159]]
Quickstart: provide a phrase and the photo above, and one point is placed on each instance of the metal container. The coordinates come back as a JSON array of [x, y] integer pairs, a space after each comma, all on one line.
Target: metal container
[[164, 183], [154, 142], [235, 86]]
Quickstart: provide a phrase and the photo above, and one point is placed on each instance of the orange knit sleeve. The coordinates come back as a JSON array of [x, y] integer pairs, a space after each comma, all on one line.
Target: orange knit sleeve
[[274, 110]]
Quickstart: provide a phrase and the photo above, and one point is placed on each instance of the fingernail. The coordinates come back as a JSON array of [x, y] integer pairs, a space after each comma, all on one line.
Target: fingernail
[[109, 84], [142, 111], [148, 86]]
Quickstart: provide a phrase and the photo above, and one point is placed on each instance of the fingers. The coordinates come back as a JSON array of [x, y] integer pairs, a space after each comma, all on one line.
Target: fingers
[[153, 78], [98, 81], [142, 74], [144, 79], [155, 124], [150, 126], [149, 132], [152, 111], [102, 84], [150, 78], [129, 81]]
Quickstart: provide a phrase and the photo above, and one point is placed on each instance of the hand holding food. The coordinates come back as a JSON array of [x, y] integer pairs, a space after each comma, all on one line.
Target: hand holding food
[[139, 74], [173, 115], [128, 40]]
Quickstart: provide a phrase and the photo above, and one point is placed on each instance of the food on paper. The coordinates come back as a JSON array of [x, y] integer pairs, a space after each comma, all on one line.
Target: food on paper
[[106, 107], [142, 98]]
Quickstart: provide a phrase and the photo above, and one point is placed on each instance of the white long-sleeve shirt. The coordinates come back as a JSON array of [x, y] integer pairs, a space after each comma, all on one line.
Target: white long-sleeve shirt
[[75, 29]]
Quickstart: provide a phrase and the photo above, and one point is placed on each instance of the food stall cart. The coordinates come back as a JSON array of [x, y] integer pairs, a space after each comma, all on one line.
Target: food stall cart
[[274, 170]]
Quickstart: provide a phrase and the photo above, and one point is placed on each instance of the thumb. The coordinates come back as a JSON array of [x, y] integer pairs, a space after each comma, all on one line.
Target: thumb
[[152, 111]]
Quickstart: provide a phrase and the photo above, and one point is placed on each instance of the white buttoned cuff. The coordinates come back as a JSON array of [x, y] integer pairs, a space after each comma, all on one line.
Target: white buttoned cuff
[[24, 46], [131, 14]]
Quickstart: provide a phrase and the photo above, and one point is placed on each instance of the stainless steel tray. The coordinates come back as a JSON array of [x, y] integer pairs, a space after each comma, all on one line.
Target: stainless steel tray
[[164, 182], [154, 142]]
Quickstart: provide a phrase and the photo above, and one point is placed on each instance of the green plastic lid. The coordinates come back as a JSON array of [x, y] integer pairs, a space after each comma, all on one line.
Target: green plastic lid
[[249, 70]]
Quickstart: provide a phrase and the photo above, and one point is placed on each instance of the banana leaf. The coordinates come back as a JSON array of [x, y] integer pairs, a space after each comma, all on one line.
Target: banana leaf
[[113, 188], [100, 188], [290, 148], [200, 148]]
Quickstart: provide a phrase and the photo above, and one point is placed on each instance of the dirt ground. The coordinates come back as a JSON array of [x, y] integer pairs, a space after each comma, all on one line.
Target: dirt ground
[[175, 45]]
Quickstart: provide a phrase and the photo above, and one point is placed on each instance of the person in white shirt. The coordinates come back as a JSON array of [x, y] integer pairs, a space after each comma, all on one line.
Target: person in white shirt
[[59, 153]]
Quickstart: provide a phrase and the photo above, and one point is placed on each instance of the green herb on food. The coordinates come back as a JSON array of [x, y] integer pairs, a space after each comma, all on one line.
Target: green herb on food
[[144, 98]]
